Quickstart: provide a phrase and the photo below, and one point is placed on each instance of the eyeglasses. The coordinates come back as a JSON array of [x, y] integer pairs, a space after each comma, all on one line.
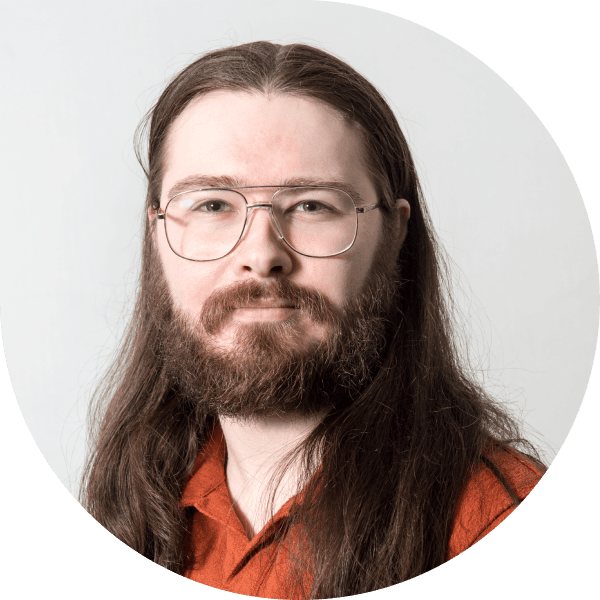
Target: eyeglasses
[[208, 224]]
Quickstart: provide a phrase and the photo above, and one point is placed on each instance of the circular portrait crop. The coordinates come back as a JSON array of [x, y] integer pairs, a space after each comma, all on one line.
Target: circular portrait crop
[[301, 298]]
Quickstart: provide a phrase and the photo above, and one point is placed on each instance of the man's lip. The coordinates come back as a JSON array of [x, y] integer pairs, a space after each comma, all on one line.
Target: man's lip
[[269, 304]]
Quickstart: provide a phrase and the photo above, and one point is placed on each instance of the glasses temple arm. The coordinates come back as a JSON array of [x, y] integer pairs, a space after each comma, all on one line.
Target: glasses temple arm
[[364, 209]]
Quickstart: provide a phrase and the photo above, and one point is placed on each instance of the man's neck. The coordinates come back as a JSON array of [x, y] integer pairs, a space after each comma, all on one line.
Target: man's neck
[[255, 450]]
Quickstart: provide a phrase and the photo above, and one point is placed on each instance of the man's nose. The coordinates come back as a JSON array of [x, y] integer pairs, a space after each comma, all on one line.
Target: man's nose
[[261, 250]]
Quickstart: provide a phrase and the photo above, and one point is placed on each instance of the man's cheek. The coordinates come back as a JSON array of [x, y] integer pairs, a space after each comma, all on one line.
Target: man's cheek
[[187, 295]]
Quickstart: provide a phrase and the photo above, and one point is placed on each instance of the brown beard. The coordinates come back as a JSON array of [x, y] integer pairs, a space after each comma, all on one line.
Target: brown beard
[[267, 372]]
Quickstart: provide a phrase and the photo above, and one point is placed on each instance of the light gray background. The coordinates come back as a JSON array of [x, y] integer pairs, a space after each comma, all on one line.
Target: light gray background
[[76, 79]]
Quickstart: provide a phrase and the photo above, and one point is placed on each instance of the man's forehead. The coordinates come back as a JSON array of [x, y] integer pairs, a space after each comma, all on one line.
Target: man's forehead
[[238, 140], [236, 102]]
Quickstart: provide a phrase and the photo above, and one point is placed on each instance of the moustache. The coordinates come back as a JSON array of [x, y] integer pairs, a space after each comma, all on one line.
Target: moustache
[[224, 300]]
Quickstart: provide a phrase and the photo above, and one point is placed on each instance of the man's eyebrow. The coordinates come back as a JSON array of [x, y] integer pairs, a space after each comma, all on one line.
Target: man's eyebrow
[[194, 182], [224, 181], [340, 185]]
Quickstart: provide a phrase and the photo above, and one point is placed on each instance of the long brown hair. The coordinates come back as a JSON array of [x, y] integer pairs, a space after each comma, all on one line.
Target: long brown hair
[[393, 461]]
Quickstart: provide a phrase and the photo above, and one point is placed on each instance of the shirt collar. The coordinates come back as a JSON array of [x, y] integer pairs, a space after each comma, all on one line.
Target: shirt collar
[[206, 489], [209, 470]]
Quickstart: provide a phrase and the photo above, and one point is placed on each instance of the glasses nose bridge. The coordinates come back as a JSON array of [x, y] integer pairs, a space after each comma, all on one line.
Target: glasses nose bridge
[[269, 207]]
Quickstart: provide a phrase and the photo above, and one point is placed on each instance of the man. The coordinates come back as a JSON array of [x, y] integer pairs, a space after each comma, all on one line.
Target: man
[[288, 415]]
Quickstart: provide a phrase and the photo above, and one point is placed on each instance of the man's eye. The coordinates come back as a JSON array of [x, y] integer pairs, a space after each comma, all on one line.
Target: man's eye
[[311, 206], [213, 206]]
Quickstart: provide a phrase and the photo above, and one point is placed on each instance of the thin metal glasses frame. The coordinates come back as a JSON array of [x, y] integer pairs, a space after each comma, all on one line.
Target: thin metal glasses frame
[[161, 215]]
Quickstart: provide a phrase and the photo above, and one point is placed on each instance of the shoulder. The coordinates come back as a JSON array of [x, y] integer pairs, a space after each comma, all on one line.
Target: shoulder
[[485, 500]]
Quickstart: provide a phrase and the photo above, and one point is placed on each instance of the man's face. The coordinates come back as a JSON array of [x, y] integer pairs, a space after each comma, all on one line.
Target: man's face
[[260, 140]]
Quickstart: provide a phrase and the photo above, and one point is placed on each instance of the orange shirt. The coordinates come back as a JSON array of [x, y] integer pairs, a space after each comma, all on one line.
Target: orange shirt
[[226, 559], [484, 502]]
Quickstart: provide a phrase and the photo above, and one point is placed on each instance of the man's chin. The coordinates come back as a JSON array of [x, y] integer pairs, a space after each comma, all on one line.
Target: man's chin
[[272, 339], [252, 370]]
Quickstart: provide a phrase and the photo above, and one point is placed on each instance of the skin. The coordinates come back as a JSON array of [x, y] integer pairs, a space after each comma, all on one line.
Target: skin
[[258, 139]]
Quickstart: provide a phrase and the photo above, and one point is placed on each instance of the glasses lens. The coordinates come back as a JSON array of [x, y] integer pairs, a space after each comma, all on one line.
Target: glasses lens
[[316, 221], [205, 224]]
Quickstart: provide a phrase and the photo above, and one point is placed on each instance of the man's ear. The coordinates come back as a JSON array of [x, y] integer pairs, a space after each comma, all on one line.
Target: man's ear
[[402, 210], [152, 221]]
